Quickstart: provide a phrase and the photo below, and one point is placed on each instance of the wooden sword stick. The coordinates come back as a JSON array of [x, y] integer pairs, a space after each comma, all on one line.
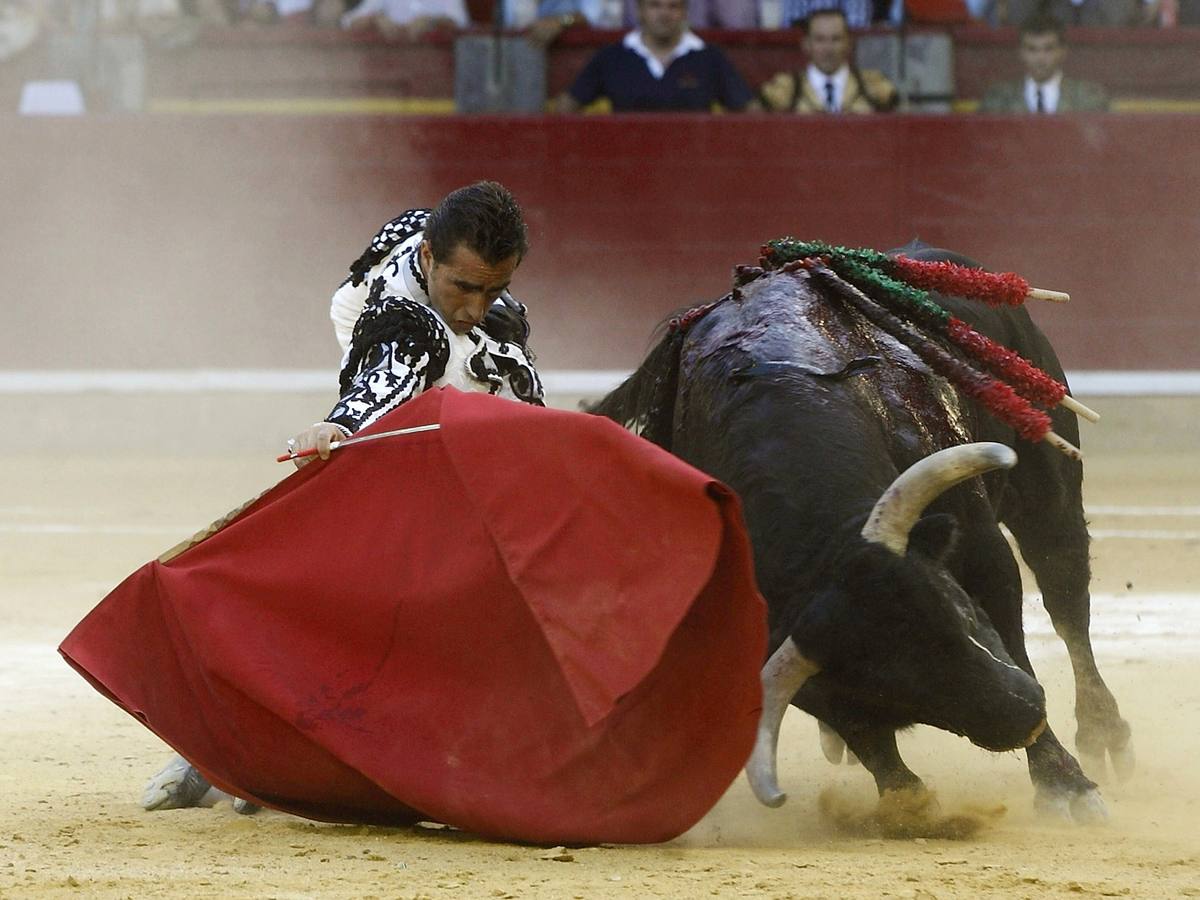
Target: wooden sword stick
[[334, 445], [205, 533], [1069, 402], [1042, 294]]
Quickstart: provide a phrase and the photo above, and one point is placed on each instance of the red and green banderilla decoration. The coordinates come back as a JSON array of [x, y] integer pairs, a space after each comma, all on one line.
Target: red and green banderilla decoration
[[894, 293]]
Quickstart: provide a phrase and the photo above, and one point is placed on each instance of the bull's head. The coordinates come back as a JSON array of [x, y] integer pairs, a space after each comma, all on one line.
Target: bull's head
[[1008, 707]]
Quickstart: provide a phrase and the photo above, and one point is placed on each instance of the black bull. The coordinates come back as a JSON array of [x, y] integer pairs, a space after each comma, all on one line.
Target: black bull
[[810, 412]]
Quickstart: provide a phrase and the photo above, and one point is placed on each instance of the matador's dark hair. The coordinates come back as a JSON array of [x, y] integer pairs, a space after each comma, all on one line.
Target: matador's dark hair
[[485, 217]]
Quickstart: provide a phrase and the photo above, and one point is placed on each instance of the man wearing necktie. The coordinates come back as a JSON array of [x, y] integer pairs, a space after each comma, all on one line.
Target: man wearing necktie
[[1044, 90], [831, 83]]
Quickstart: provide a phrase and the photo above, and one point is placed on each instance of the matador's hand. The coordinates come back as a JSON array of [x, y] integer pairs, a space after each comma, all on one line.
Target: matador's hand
[[318, 437]]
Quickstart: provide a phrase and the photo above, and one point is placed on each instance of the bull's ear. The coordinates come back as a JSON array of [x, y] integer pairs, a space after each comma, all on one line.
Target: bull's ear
[[934, 536]]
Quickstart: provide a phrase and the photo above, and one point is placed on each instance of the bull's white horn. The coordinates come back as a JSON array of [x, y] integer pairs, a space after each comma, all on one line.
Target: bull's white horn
[[784, 673], [897, 511]]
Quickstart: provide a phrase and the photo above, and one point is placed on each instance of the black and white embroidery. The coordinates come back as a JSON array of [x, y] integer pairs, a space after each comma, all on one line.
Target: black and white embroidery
[[390, 236], [494, 362], [514, 365], [416, 271], [480, 363], [399, 350]]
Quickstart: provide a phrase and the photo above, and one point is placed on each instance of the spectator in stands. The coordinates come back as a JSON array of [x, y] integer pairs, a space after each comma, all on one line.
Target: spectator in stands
[[407, 19], [658, 67], [1044, 89], [1080, 12], [831, 83]]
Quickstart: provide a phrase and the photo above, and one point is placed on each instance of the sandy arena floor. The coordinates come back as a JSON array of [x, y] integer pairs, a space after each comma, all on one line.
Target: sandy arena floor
[[72, 766]]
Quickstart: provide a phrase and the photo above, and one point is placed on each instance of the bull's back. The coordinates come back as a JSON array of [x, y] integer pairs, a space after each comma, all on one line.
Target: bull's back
[[783, 385], [825, 365]]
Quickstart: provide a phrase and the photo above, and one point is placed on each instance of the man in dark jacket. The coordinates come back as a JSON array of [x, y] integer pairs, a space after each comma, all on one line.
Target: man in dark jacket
[[659, 67]]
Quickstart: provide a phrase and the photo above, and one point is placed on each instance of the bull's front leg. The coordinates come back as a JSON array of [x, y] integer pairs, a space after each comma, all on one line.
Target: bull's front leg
[[873, 745], [1044, 511], [991, 576], [1061, 788], [906, 808], [1060, 564]]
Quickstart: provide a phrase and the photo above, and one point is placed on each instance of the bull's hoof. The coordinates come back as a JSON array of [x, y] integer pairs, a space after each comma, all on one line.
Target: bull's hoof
[[1089, 808], [176, 786], [1085, 807]]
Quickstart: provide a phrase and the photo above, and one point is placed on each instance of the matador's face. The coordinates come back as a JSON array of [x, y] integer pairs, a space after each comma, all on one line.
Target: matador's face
[[463, 286]]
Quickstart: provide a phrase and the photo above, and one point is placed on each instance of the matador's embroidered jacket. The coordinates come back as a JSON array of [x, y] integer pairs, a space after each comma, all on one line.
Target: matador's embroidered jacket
[[396, 346]]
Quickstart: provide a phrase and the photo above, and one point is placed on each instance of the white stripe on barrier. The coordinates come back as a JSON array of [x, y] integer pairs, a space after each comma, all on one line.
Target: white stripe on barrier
[[1174, 512], [592, 382], [1140, 534], [67, 528], [1099, 383]]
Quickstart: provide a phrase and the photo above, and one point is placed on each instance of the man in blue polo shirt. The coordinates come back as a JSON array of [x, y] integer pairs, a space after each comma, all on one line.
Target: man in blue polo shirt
[[662, 66]]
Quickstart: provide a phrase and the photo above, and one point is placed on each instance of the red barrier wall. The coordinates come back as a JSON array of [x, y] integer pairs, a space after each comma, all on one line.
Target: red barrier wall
[[164, 242]]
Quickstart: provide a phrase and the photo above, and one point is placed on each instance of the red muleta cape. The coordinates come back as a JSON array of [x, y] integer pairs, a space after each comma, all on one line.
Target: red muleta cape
[[529, 624]]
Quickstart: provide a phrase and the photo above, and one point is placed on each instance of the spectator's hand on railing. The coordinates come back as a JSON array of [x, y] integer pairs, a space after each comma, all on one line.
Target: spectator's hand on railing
[[564, 104], [422, 25], [390, 30], [545, 31]]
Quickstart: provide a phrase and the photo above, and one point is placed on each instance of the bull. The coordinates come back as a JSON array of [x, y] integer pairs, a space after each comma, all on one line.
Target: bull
[[894, 599]]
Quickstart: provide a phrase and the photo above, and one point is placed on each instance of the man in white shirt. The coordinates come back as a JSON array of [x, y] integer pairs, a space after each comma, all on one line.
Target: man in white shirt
[[659, 67], [831, 83], [1043, 90]]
